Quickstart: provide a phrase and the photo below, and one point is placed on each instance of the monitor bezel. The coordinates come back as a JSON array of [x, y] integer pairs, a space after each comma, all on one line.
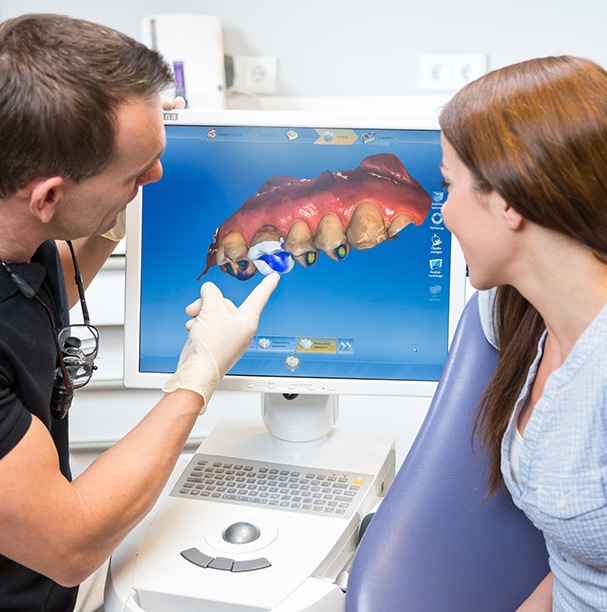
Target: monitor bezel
[[134, 378]]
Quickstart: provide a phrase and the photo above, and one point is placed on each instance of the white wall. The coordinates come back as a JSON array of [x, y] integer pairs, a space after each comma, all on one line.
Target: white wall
[[358, 47]]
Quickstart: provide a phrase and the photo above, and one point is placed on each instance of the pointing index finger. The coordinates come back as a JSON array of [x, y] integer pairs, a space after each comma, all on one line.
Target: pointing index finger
[[259, 297]]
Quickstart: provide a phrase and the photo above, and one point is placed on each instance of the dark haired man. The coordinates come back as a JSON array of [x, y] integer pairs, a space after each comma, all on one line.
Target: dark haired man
[[80, 131]]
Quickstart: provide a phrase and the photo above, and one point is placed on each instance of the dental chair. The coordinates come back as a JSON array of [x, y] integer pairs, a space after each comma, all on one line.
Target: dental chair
[[436, 544]]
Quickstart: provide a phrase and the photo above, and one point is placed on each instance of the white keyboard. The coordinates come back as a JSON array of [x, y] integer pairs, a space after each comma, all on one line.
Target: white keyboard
[[272, 485]]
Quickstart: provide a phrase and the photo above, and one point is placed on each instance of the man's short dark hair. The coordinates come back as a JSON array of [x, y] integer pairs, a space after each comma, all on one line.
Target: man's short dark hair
[[61, 82]]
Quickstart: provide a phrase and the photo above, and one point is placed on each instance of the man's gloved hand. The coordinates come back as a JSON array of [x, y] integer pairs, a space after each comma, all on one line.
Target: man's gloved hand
[[176, 103], [218, 335], [118, 232]]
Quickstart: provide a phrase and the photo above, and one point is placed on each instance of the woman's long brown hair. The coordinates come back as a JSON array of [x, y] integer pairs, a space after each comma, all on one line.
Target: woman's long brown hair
[[536, 133]]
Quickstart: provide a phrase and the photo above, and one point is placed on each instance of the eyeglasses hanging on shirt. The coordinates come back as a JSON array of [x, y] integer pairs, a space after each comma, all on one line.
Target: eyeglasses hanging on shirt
[[77, 345]]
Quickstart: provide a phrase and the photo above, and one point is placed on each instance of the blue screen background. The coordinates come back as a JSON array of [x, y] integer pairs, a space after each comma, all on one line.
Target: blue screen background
[[387, 304]]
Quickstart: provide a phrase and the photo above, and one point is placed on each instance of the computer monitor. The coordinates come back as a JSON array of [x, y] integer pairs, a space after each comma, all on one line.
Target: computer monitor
[[347, 207]]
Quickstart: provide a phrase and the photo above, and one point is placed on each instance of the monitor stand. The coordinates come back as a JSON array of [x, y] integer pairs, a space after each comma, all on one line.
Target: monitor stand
[[308, 555], [299, 421]]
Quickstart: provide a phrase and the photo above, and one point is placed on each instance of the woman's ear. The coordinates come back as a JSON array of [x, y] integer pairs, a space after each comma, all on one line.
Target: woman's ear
[[513, 218], [503, 211], [44, 195]]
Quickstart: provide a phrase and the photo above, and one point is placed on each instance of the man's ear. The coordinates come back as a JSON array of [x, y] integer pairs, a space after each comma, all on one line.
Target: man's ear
[[44, 196]]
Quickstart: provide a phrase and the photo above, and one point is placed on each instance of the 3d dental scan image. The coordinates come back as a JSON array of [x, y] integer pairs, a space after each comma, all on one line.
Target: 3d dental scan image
[[333, 212]]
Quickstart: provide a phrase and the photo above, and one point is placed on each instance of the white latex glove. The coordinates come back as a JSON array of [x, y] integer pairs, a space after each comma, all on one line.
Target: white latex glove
[[118, 232], [218, 335]]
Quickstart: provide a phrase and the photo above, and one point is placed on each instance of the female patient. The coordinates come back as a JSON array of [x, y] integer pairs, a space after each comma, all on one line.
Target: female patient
[[525, 160]]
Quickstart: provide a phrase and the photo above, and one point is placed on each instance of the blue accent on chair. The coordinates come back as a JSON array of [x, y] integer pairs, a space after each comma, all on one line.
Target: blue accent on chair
[[436, 544]]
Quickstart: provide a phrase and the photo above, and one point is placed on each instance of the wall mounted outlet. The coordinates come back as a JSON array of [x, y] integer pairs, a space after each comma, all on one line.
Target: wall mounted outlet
[[256, 73], [450, 72]]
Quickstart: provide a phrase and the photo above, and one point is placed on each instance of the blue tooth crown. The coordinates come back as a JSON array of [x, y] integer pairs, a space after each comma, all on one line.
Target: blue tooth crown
[[280, 262]]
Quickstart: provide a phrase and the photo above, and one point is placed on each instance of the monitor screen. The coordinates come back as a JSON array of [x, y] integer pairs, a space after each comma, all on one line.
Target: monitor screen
[[346, 207]]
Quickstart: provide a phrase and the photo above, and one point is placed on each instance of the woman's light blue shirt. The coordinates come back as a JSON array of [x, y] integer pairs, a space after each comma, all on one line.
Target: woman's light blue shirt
[[563, 469]]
